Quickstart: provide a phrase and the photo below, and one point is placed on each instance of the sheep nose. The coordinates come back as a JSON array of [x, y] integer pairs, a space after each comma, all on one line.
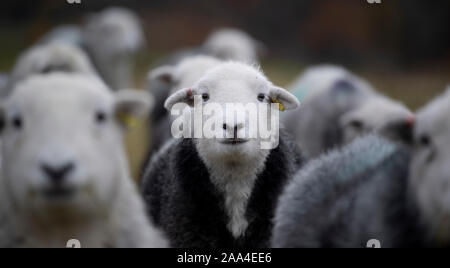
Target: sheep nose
[[235, 128], [57, 173]]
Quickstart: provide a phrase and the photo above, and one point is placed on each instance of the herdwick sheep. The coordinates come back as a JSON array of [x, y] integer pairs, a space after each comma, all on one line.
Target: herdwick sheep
[[50, 57], [182, 75], [329, 94], [65, 174], [233, 44], [112, 38], [221, 192], [374, 189], [379, 114]]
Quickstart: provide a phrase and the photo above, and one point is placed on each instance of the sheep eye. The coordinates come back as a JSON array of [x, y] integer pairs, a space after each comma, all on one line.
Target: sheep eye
[[357, 124], [17, 122], [205, 96], [424, 140], [261, 97], [100, 117]]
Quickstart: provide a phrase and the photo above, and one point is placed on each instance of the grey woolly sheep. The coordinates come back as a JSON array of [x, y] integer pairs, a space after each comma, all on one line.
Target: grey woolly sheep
[[336, 107], [374, 189]]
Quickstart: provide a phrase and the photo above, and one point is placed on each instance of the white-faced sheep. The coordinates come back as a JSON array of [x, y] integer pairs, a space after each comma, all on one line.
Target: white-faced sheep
[[328, 94], [221, 192], [183, 75], [65, 174], [50, 57], [233, 44], [374, 189], [112, 38]]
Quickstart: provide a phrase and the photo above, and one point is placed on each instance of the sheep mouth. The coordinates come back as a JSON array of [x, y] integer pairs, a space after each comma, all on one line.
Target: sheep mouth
[[58, 193], [233, 141]]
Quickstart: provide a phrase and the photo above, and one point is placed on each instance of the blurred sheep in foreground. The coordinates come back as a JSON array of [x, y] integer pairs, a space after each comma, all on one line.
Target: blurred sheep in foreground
[[65, 174]]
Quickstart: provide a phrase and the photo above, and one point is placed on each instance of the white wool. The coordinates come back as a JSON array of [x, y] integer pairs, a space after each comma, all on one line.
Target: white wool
[[113, 37], [234, 167], [67, 118], [430, 167], [49, 57], [232, 44]]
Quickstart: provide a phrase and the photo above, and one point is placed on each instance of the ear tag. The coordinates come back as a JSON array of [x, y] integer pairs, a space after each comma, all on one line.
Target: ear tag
[[280, 106], [128, 120]]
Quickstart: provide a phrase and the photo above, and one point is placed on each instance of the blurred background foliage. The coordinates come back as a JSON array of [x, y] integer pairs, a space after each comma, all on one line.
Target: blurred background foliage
[[401, 46]]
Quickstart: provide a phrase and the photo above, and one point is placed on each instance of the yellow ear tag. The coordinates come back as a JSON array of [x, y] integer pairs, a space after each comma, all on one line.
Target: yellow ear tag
[[128, 120], [280, 106]]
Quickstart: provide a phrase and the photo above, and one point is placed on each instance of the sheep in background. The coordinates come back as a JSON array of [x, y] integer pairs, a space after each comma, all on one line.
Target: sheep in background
[[49, 57], [183, 75], [112, 38], [65, 173], [374, 189], [330, 95], [221, 192], [233, 44], [381, 115]]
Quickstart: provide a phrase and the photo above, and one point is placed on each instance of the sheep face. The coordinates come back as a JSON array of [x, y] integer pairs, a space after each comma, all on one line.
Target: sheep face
[[62, 142], [390, 119], [430, 167], [227, 86]]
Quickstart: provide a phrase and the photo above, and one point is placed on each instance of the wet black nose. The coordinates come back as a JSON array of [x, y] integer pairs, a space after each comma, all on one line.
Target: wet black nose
[[57, 173]]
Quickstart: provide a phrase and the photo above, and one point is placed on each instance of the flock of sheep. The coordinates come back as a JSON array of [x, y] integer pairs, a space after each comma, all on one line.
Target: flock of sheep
[[351, 164]]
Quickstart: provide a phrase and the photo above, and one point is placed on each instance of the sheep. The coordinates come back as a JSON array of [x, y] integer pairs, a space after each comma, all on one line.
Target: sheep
[[329, 95], [379, 114], [374, 189], [221, 192], [112, 38], [65, 174], [182, 75], [49, 57], [233, 44]]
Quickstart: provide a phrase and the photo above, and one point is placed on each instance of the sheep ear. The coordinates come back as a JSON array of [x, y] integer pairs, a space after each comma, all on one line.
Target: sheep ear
[[130, 105], [286, 100], [163, 74], [185, 95]]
